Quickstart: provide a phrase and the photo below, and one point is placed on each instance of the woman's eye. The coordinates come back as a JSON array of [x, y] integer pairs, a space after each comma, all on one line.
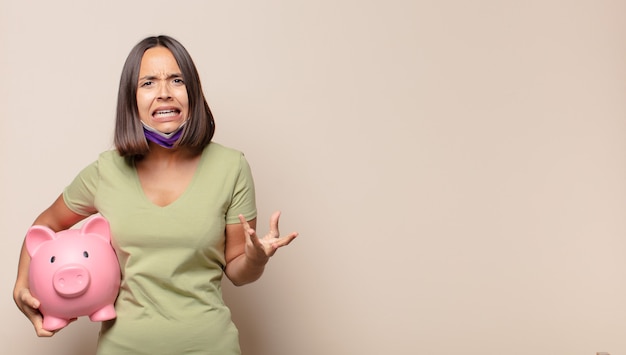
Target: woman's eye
[[179, 81], [146, 83]]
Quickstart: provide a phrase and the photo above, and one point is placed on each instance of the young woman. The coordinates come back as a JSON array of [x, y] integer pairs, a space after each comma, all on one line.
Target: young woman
[[182, 214]]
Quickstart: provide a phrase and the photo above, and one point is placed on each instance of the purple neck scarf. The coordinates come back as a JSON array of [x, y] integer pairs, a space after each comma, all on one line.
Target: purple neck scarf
[[166, 140]]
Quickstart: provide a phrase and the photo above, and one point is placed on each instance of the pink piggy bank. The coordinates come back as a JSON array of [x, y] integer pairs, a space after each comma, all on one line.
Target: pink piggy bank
[[73, 273]]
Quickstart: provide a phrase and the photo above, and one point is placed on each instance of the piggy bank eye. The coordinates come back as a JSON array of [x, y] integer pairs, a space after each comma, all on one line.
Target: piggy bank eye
[[85, 254], [52, 259]]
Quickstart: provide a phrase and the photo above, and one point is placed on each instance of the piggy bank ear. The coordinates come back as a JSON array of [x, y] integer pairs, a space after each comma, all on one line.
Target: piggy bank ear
[[97, 225], [36, 236]]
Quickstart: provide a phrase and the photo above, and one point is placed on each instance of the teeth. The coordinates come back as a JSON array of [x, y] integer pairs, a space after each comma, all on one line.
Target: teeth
[[165, 112]]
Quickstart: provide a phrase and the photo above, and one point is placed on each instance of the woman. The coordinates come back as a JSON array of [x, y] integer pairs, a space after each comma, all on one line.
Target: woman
[[181, 209]]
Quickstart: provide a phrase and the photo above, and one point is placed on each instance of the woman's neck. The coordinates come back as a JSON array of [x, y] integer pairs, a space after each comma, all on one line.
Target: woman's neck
[[164, 155]]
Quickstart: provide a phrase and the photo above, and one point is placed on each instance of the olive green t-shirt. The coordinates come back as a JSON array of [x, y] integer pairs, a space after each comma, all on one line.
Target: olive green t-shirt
[[172, 257]]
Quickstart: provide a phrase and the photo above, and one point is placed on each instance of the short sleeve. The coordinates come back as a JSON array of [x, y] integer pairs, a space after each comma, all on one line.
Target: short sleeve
[[244, 201], [79, 195]]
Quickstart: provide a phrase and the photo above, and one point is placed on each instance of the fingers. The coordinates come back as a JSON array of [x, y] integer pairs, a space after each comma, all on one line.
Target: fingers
[[281, 242], [275, 232], [29, 304], [243, 221], [30, 307], [27, 299], [274, 219], [246, 226], [250, 233], [38, 324], [272, 240]]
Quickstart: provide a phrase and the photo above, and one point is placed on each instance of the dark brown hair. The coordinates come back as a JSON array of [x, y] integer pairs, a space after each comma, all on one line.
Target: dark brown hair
[[129, 138]]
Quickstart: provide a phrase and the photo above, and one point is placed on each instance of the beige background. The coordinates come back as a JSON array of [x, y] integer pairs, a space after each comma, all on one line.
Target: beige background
[[457, 169]]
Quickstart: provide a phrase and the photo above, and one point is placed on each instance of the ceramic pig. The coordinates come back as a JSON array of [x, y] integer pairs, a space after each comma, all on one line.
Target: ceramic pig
[[73, 273]]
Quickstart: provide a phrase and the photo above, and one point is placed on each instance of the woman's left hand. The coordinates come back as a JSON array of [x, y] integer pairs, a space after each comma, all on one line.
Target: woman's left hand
[[259, 250]]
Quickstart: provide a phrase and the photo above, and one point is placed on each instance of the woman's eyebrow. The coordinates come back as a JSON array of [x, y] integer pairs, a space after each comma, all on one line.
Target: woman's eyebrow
[[153, 77]]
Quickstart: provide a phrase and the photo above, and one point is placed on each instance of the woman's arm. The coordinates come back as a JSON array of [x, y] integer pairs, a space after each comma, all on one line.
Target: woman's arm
[[246, 254], [57, 217]]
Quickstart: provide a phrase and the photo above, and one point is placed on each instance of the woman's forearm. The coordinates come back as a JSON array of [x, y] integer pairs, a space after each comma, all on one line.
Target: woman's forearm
[[241, 270]]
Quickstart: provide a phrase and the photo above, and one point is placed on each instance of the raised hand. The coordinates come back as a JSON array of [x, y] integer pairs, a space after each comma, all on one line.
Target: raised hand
[[259, 250]]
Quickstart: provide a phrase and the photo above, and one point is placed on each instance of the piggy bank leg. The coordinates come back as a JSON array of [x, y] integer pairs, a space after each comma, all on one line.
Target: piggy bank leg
[[53, 323], [105, 313]]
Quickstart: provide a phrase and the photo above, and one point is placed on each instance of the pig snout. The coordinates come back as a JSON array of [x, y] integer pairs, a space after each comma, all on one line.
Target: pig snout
[[71, 281]]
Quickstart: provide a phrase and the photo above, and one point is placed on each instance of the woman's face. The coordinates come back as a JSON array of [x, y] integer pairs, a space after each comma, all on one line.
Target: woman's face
[[162, 99]]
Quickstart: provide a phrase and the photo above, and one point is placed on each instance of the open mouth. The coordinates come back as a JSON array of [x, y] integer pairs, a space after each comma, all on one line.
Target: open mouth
[[166, 113]]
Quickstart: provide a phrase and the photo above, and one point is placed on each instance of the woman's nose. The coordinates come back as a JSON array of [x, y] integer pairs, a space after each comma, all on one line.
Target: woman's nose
[[164, 92]]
